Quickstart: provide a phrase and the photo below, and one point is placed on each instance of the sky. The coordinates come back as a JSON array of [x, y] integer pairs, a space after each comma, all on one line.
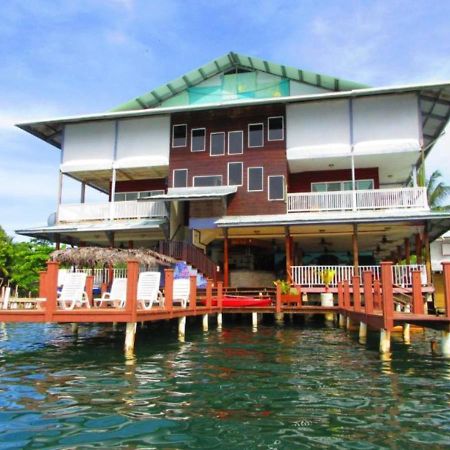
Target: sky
[[68, 57]]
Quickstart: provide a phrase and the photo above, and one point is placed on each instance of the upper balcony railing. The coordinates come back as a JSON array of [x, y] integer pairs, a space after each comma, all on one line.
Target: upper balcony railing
[[81, 212], [371, 199]]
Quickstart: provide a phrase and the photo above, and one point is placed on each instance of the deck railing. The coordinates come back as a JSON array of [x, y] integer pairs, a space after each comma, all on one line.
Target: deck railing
[[370, 199], [312, 276], [116, 210]]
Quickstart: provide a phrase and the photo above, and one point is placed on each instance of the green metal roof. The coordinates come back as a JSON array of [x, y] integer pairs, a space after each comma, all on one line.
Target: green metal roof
[[229, 62]]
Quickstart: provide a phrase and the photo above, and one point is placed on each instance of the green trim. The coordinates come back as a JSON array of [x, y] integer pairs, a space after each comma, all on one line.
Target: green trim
[[165, 93]]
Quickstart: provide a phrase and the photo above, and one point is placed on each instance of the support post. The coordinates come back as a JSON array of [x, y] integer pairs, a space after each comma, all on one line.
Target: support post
[[131, 305], [346, 295], [355, 248], [168, 289], [418, 248], [205, 322], [219, 304], [254, 319], [130, 334], [368, 293], [445, 343], [426, 245], [182, 328], [51, 289], [417, 298], [356, 293], [341, 303], [193, 292], [388, 295], [376, 295], [209, 286], [406, 333], [385, 341], [112, 195], [42, 284], [287, 244], [341, 320], [90, 288], [278, 314], [407, 251], [446, 270], [83, 192], [226, 273], [362, 332]]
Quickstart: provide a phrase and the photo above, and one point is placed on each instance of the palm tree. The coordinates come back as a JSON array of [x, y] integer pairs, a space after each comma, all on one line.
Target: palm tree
[[437, 191]]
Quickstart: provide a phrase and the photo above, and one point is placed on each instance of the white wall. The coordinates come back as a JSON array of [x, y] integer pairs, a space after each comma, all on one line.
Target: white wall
[[440, 252], [317, 129], [88, 146], [143, 142]]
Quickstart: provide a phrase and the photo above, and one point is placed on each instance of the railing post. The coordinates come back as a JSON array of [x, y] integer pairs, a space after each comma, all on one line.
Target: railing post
[[446, 269], [42, 284], [89, 288], [388, 295], [417, 298], [193, 292], [132, 282], [51, 290], [168, 289], [356, 293], [278, 299], [368, 293], [346, 295], [219, 295], [376, 295], [209, 285], [341, 295]]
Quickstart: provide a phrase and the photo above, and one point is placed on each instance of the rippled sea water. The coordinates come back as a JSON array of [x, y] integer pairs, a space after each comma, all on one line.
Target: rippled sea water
[[305, 385]]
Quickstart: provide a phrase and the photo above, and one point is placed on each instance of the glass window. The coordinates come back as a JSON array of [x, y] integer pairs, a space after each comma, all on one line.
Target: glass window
[[256, 135], [276, 187], [235, 142], [235, 173], [217, 144], [119, 197], [198, 139], [319, 187], [255, 179], [179, 135], [180, 178], [333, 186], [276, 128], [213, 180], [150, 193], [364, 184]]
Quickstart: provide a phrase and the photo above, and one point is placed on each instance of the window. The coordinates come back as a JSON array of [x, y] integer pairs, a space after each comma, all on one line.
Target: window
[[276, 187], [180, 178], [235, 173], [255, 179], [256, 135], [217, 144], [179, 135], [235, 142], [198, 139], [127, 196], [208, 180], [333, 186], [275, 127]]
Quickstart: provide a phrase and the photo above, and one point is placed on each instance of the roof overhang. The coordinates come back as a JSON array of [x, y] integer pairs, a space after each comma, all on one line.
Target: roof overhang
[[438, 222], [195, 193], [434, 101]]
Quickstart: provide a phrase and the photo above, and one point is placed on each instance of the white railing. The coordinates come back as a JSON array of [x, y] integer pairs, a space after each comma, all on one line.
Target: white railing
[[370, 199], [118, 210], [312, 276]]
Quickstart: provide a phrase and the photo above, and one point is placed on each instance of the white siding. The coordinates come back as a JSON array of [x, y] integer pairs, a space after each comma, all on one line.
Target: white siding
[[298, 88], [88, 146], [386, 124], [143, 142], [317, 129]]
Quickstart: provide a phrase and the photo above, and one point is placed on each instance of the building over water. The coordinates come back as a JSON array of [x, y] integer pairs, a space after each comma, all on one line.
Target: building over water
[[269, 170]]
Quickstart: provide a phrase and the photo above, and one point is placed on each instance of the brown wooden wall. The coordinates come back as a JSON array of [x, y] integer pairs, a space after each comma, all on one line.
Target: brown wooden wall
[[301, 182], [272, 157], [141, 185]]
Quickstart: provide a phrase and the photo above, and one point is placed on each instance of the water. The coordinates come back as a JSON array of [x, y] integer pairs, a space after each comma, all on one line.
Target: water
[[299, 386]]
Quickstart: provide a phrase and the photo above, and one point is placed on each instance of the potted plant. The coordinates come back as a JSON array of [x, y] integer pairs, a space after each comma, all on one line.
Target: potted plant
[[289, 294], [326, 298]]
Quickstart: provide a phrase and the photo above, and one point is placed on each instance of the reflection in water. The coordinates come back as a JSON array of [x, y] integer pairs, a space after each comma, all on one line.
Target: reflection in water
[[279, 387]]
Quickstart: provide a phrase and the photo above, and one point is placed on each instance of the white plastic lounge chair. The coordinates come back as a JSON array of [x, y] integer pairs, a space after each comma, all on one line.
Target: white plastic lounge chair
[[6, 292], [118, 295], [148, 291], [181, 288], [73, 293]]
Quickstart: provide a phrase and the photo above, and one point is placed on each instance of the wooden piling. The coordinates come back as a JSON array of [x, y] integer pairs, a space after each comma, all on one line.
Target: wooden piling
[[89, 289], [368, 293], [346, 295], [193, 292], [388, 295], [132, 280], [417, 297], [168, 289], [356, 293], [51, 289], [446, 270]]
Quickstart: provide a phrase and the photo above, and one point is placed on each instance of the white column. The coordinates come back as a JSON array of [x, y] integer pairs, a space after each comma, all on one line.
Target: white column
[[362, 332], [205, 322], [445, 343], [181, 328], [406, 331], [83, 192], [254, 320], [353, 183], [385, 341], [60, 187], [219, 321], [341, 321], [279, 318], [130, 334], [113, 192]]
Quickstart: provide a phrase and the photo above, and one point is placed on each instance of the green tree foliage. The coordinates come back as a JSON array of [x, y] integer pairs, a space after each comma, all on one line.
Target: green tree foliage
[[21, 262], [437, 191]]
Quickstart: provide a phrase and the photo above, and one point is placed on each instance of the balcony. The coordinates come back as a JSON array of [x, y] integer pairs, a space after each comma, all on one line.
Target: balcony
[[372, 199], [82, 212]]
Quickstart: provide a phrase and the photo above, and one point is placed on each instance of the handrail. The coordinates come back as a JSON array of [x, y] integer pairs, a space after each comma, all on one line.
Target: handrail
[[192, 255]]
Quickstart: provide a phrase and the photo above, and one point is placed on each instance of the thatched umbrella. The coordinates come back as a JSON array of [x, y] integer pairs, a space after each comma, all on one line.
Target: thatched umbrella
[[92, 256]]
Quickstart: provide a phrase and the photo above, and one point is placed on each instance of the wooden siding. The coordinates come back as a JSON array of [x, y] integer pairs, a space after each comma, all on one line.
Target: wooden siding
[[155, 184], [301, 182], [272, 156]]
